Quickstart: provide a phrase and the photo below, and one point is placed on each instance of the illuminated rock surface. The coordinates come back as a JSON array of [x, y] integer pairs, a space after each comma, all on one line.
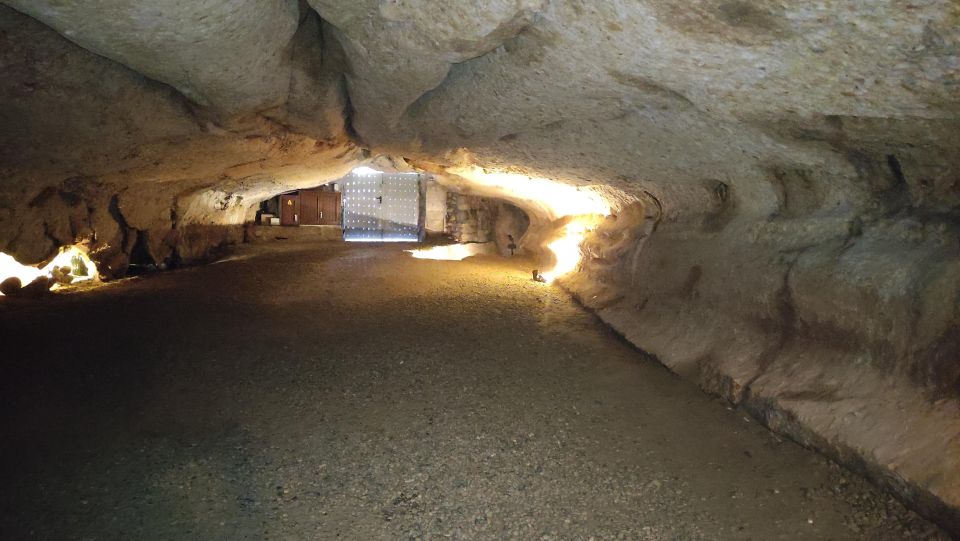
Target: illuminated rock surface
[[784, 178]]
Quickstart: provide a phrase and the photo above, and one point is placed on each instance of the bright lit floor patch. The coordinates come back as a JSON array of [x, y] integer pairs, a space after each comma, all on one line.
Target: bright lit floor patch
[[453, 252]]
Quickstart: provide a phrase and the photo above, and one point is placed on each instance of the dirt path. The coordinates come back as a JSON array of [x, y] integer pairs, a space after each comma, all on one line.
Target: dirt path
[[352, 392]]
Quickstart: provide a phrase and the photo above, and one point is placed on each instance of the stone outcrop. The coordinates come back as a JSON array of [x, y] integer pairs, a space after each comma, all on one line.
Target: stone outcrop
[[229, 56], [784, 179], [94, 152]]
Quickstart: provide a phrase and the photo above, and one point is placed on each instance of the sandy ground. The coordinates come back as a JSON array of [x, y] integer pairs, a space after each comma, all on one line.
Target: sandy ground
[[300, 391]]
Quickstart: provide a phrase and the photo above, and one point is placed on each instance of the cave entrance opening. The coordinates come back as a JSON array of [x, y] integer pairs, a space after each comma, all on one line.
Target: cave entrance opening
[[382, 207]]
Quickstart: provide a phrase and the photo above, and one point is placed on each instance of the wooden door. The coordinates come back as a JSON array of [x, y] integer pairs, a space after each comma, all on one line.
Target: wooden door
[[289, 209], [310, 207], [329, 208]]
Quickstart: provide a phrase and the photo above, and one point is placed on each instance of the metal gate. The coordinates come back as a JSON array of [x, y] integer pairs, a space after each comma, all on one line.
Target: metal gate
[[381, 207]]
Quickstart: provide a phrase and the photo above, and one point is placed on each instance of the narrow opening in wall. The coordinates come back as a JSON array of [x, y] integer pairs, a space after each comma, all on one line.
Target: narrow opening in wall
[[141, 262]]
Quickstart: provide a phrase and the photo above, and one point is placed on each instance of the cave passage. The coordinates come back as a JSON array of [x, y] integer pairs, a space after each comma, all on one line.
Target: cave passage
[[321, 390], [744, 191]]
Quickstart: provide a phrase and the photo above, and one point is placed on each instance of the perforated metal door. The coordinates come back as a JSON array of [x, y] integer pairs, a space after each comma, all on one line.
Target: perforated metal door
[[400, 208], [361, 207], [381, 207]]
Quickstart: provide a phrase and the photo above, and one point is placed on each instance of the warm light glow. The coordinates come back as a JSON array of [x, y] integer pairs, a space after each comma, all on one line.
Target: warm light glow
[[566, 249], [364, 170], [10, 268], [557, 200], [452, 252], [81, 267]]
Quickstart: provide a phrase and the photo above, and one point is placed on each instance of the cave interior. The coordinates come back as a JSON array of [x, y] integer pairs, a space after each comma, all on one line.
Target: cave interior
[[761, 197]]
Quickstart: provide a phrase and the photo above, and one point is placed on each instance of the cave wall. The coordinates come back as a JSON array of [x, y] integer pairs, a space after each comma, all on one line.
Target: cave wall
[[509, 229], [94, 152], [784, 178], [435, 207], [470, 218]]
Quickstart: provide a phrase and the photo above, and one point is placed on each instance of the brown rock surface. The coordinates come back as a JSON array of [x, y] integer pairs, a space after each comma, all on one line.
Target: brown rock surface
[[93, 150], [784, 177]]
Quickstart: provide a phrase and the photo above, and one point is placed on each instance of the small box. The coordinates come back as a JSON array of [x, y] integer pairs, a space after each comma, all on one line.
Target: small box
[[274, 221]]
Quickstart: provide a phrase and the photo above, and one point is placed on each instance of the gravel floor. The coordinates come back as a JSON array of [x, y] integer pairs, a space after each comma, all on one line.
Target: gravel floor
[[300, 391]]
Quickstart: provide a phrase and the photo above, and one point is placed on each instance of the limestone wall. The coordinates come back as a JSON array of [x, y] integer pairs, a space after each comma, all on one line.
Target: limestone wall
[[95, 153], [782, 178], [435, 207], [470, 218]]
